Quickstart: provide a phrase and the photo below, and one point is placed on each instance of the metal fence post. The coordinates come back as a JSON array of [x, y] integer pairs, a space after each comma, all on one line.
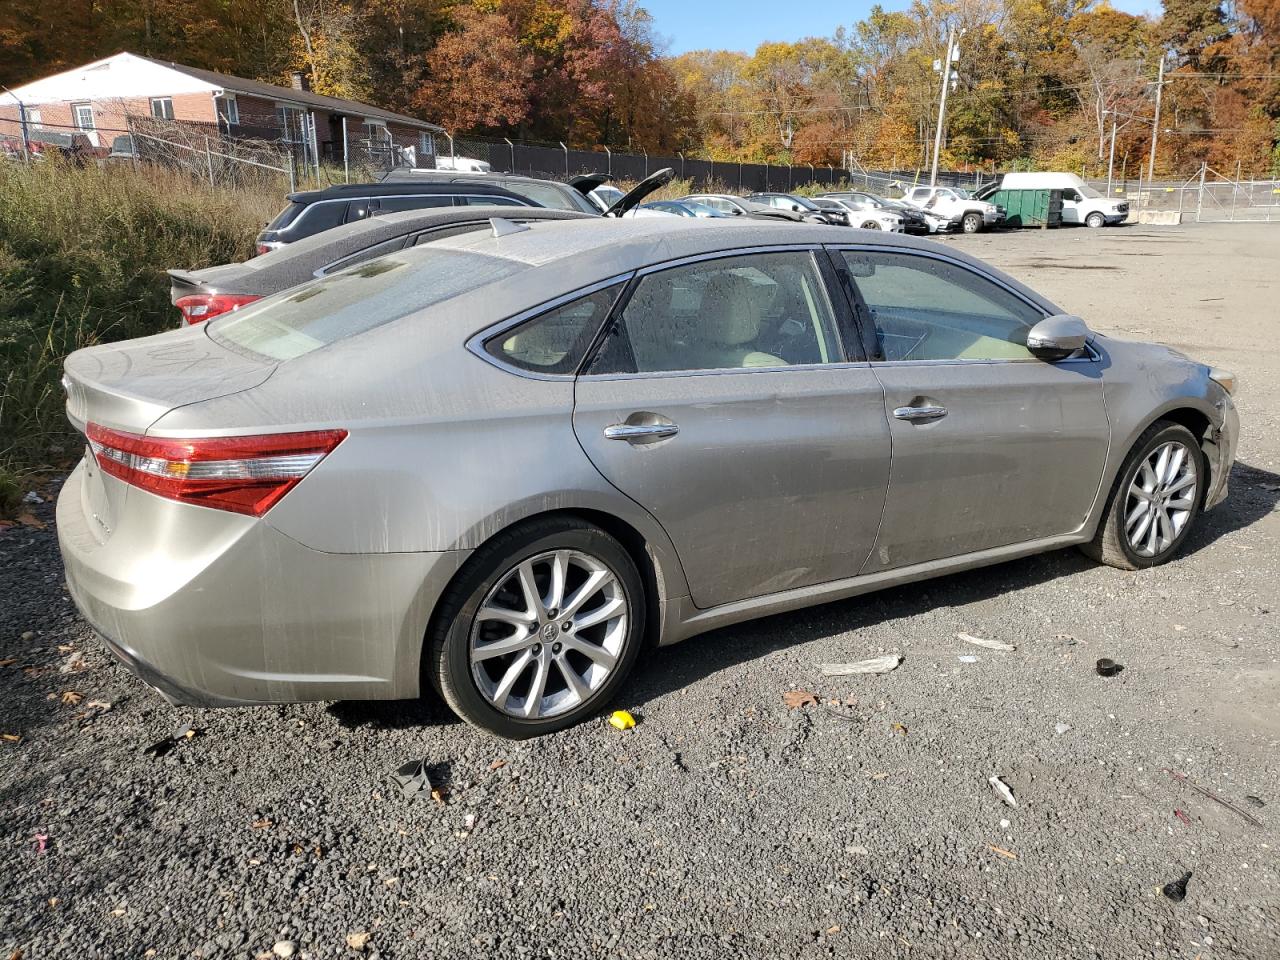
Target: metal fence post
[[346, 158], [646, 162], [1204, 167], [513, 154], [566, 157], [208, 159], [315, 146], [609, 153]]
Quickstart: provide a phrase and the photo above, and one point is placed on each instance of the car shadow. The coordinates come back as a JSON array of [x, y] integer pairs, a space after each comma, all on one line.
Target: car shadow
[[669, 669], [427, 710]]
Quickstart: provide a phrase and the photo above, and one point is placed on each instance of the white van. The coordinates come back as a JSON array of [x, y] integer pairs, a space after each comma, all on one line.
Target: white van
[[1080, 202]]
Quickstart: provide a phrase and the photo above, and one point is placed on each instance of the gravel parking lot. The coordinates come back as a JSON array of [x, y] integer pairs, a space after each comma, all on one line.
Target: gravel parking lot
[[728, 824]]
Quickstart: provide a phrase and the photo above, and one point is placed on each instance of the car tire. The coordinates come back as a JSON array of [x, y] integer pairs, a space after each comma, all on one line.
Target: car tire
[[491, 581], [1125, 536], [1095, 220], [972, 222], [870, 225]]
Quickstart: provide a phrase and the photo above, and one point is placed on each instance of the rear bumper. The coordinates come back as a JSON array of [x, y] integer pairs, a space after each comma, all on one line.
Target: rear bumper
[[221, 610]]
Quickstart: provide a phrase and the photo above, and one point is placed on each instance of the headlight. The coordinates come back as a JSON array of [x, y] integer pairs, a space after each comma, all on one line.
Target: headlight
[[1224, 379]]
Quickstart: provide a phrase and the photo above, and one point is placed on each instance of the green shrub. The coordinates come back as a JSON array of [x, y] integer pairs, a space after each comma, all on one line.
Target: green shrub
[[83, 253]]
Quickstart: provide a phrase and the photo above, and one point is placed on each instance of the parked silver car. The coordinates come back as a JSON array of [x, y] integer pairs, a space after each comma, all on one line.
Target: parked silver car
[[502, 463]]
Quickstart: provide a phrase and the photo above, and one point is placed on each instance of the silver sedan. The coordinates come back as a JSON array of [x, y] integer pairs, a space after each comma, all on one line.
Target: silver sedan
[[501, 464]]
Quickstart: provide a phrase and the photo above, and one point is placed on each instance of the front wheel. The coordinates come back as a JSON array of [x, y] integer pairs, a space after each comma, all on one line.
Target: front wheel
[[1155, 500], [871, 225], [1095, 220], [972, 222], [540, 628]]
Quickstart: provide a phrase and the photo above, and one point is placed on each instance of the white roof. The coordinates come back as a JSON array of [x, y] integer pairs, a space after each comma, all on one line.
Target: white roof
[[123, 75]]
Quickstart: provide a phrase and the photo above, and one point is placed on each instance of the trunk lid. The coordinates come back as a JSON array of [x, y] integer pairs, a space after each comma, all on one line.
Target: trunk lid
[[130, 385]]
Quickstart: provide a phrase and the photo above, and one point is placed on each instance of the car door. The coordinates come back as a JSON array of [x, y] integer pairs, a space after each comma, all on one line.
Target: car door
[[1071, 202], [723, 401], [991, 446]]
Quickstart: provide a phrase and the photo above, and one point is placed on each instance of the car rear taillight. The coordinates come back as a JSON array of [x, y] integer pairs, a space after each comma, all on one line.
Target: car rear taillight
[[200, 307], [246, 475], [263, 248]]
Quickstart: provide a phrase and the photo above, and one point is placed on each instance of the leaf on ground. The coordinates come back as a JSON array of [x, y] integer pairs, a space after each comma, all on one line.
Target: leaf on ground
[[16, 955], [262, 824], [1002, 852], [27, 520], [70, 698], [900, 728], [358, 941], [497, 765], [799, 698], [10, 737], [8, 662]]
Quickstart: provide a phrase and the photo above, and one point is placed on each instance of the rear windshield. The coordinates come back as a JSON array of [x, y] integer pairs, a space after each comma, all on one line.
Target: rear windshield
[[356, 300], [286, 216]]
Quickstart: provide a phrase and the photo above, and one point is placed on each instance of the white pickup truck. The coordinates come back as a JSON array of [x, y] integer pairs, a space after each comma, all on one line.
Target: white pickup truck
[[960, 209]]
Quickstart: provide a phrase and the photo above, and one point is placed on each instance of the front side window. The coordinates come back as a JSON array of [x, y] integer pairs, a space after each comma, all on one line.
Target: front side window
[[929, 309], [356, 300], [83, 116], [753, 310], [162, 108], [556, 341]]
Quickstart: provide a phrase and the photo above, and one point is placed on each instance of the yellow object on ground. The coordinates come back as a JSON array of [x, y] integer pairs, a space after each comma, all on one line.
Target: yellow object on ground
[[622, 720]]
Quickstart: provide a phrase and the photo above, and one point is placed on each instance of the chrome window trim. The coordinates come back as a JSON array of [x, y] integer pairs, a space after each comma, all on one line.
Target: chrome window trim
[[477, 342], [1093, 356]]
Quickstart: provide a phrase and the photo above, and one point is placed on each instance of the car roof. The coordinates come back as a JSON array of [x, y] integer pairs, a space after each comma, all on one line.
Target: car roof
[[348, 190]]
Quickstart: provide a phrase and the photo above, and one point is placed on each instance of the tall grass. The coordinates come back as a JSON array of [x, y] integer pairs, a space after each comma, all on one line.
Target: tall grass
[[83, 252]]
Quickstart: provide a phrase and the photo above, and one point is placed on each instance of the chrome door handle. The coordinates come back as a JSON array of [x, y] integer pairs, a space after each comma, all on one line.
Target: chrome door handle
[[920, 414], [640, 432]]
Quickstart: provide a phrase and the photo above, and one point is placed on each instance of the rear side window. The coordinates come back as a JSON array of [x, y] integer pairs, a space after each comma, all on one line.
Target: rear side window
[[356, 300], [548, 196], [480, 200], [555, 342], [394, 204], [318, 217]]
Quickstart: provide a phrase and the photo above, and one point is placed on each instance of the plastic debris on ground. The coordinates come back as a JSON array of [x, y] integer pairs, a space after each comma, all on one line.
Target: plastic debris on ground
[[1061, 728], [1107, 667], [412, 779], [875, 665], [967, 658], [621, 720], [1176, 890], [987, 644], [1002, 790]]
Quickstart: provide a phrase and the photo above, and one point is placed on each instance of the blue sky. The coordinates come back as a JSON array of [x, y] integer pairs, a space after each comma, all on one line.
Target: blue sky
[[744, 24]]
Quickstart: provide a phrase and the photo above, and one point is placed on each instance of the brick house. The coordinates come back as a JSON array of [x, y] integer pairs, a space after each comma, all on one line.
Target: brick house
[[98, 99]]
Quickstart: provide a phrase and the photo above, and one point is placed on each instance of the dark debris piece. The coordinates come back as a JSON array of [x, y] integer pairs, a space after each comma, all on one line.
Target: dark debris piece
[[413, 779], [1176, 890]]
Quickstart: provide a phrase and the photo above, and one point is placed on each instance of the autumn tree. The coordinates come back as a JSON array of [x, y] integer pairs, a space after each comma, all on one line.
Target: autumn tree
[[480, 76]]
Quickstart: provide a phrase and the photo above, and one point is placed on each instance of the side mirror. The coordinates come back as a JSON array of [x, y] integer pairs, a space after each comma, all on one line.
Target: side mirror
[[796, 207], [1057, 337]]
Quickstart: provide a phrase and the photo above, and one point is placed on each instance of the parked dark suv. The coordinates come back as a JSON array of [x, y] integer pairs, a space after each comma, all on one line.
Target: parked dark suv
[[313, 211]]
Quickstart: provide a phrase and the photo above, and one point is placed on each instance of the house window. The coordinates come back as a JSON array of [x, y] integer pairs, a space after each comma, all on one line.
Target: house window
[[162, 108], [375, 131], [228, 110], [293, 124], [83, 114], [426, 144]]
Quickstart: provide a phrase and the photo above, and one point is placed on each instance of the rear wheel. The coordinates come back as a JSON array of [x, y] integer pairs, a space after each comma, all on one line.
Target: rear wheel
[[539, 630], [1095, 220], [972, 222], [871, 225], [1155, 501]]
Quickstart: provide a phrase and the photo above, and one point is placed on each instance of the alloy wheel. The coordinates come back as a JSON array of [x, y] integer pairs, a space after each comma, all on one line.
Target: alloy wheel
[[549, 634], [1161, 498]]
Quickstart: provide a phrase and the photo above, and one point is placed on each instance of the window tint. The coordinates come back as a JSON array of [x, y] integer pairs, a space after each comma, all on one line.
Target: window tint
[[756, 310], [318, 217], [353, 301], [393, 204], [556, 341], [480, 200], [927, 309], [545, 195]]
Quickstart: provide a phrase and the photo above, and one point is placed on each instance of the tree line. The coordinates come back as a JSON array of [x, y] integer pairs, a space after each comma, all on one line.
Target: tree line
[[1036, 82]]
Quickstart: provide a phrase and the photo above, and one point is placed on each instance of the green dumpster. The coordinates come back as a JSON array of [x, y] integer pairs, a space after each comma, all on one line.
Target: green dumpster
[[1030, 208]]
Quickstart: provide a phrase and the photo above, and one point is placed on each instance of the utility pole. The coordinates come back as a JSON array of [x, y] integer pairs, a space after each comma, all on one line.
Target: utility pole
[[1155, 126], [948, 58]]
